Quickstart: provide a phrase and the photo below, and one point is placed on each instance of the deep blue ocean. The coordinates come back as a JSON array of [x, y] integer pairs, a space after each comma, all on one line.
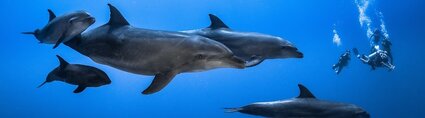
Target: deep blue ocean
[[309, 24]]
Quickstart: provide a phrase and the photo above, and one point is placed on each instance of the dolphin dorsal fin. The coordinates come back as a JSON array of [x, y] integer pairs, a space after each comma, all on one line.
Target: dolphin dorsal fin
[[62, 61], [216, 23], [304, 92], [51, 15], [116, 18]]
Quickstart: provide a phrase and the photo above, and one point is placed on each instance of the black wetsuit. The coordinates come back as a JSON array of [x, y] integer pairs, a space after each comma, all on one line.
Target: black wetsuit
[[342, 62]]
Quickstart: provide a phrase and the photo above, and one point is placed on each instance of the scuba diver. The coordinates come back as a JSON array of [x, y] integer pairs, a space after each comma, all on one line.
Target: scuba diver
[[379, 58], [342, 62], [377, 35]]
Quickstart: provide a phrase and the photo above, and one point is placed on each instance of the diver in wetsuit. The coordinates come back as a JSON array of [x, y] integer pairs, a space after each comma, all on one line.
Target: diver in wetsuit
[[377, 36], [342, 62], [379, 58]]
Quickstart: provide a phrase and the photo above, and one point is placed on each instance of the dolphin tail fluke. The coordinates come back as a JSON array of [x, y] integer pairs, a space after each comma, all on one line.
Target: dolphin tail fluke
[[231, 110], [42, 84]]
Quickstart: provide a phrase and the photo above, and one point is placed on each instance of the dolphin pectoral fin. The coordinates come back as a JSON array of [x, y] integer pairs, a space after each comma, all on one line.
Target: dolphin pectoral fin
[[159, 82], [255, 61], [79, 89], [42, 84], [59, 41]]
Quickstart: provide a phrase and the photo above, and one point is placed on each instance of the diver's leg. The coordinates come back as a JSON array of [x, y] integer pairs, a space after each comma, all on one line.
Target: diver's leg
[[339, 70], [388, 65]]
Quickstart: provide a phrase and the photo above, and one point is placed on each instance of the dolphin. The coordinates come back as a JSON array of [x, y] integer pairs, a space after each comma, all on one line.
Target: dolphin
[[304, 106], [163, 54], [252, 47], [63, 28], [75, 74]]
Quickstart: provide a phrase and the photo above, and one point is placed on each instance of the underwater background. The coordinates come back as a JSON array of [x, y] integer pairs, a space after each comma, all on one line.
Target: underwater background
[[309, 24]]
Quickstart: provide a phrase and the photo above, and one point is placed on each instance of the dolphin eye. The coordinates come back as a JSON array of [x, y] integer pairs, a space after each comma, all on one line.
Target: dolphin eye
[[72, 19], [200, 56]]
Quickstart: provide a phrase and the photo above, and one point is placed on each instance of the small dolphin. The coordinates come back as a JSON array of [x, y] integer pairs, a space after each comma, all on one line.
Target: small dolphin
[[152, 52], [63, 28], [252, 47], [303, 106], [75, 74]]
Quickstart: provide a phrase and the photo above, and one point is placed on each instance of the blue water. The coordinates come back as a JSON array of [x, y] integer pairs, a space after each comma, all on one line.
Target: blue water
[[306, 23]]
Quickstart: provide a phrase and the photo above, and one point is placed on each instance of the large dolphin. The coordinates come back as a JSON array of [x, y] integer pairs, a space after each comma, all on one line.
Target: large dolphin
[[63, 28], [252, 47], [76, 74], [152, 52], [303, 106]]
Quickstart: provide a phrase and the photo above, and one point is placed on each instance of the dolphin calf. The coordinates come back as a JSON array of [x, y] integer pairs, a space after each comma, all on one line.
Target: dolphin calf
[[75, 74], [303, 106], [152, 52], [250, 46], [63, 28]]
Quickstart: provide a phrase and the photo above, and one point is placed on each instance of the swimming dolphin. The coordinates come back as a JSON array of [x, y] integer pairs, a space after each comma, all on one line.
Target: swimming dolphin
[[63, 28], [75, 74], [152, 52], [303, 106], [250, 46]]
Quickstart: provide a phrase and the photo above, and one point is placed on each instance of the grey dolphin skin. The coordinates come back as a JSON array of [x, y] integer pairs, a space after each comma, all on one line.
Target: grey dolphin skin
[[63, 28], [250, 46], [304, 106], [75, 74], [152, 52]]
